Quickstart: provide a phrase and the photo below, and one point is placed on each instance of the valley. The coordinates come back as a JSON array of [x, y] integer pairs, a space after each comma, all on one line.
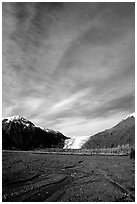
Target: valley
[[31, 176]]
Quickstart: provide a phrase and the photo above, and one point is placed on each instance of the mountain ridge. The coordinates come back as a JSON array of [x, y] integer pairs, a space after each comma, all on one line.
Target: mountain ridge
[[20, 133], [120, 134]]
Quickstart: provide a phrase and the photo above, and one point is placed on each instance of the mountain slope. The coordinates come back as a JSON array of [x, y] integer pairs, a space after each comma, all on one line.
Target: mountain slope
[[22, 134], [122, 133]]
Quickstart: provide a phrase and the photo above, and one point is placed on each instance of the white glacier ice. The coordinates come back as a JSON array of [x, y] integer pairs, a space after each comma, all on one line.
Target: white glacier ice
[[75, 142]]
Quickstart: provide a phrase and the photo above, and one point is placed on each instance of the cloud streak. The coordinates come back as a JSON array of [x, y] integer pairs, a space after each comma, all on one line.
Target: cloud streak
[[69, 66], [71, 100]]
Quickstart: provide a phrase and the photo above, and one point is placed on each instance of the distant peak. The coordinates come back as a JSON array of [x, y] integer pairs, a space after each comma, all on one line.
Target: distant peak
[[130, 115], [16, 118]]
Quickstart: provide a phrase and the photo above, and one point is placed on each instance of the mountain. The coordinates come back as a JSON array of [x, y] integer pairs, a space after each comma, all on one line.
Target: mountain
[[122, 133], [21, 134]]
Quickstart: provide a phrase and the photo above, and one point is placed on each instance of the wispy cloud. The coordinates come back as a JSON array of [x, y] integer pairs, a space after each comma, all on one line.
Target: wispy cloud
[[69, 66], [66, 103]]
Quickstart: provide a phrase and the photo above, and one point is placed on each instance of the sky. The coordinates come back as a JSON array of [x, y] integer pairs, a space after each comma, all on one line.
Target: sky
[[69, 66]]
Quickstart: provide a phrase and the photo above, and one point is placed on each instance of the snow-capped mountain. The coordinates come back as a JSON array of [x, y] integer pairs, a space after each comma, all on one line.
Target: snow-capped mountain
[[20, 133], [48, 130], [17, 119]]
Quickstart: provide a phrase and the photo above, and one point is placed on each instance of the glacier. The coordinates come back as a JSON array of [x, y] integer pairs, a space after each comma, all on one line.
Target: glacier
[[75, 142]]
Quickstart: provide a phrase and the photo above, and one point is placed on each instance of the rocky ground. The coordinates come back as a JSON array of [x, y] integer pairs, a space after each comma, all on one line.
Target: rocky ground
[[31, 176]]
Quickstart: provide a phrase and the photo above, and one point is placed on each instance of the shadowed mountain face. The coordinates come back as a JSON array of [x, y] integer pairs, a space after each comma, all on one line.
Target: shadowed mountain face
[[122, 133], [21, 134]]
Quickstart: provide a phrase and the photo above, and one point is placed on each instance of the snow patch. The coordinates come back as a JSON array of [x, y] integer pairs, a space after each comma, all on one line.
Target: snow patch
[[12, 118], [48, 130], [130, 115], [17, 119], [40, 127]]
